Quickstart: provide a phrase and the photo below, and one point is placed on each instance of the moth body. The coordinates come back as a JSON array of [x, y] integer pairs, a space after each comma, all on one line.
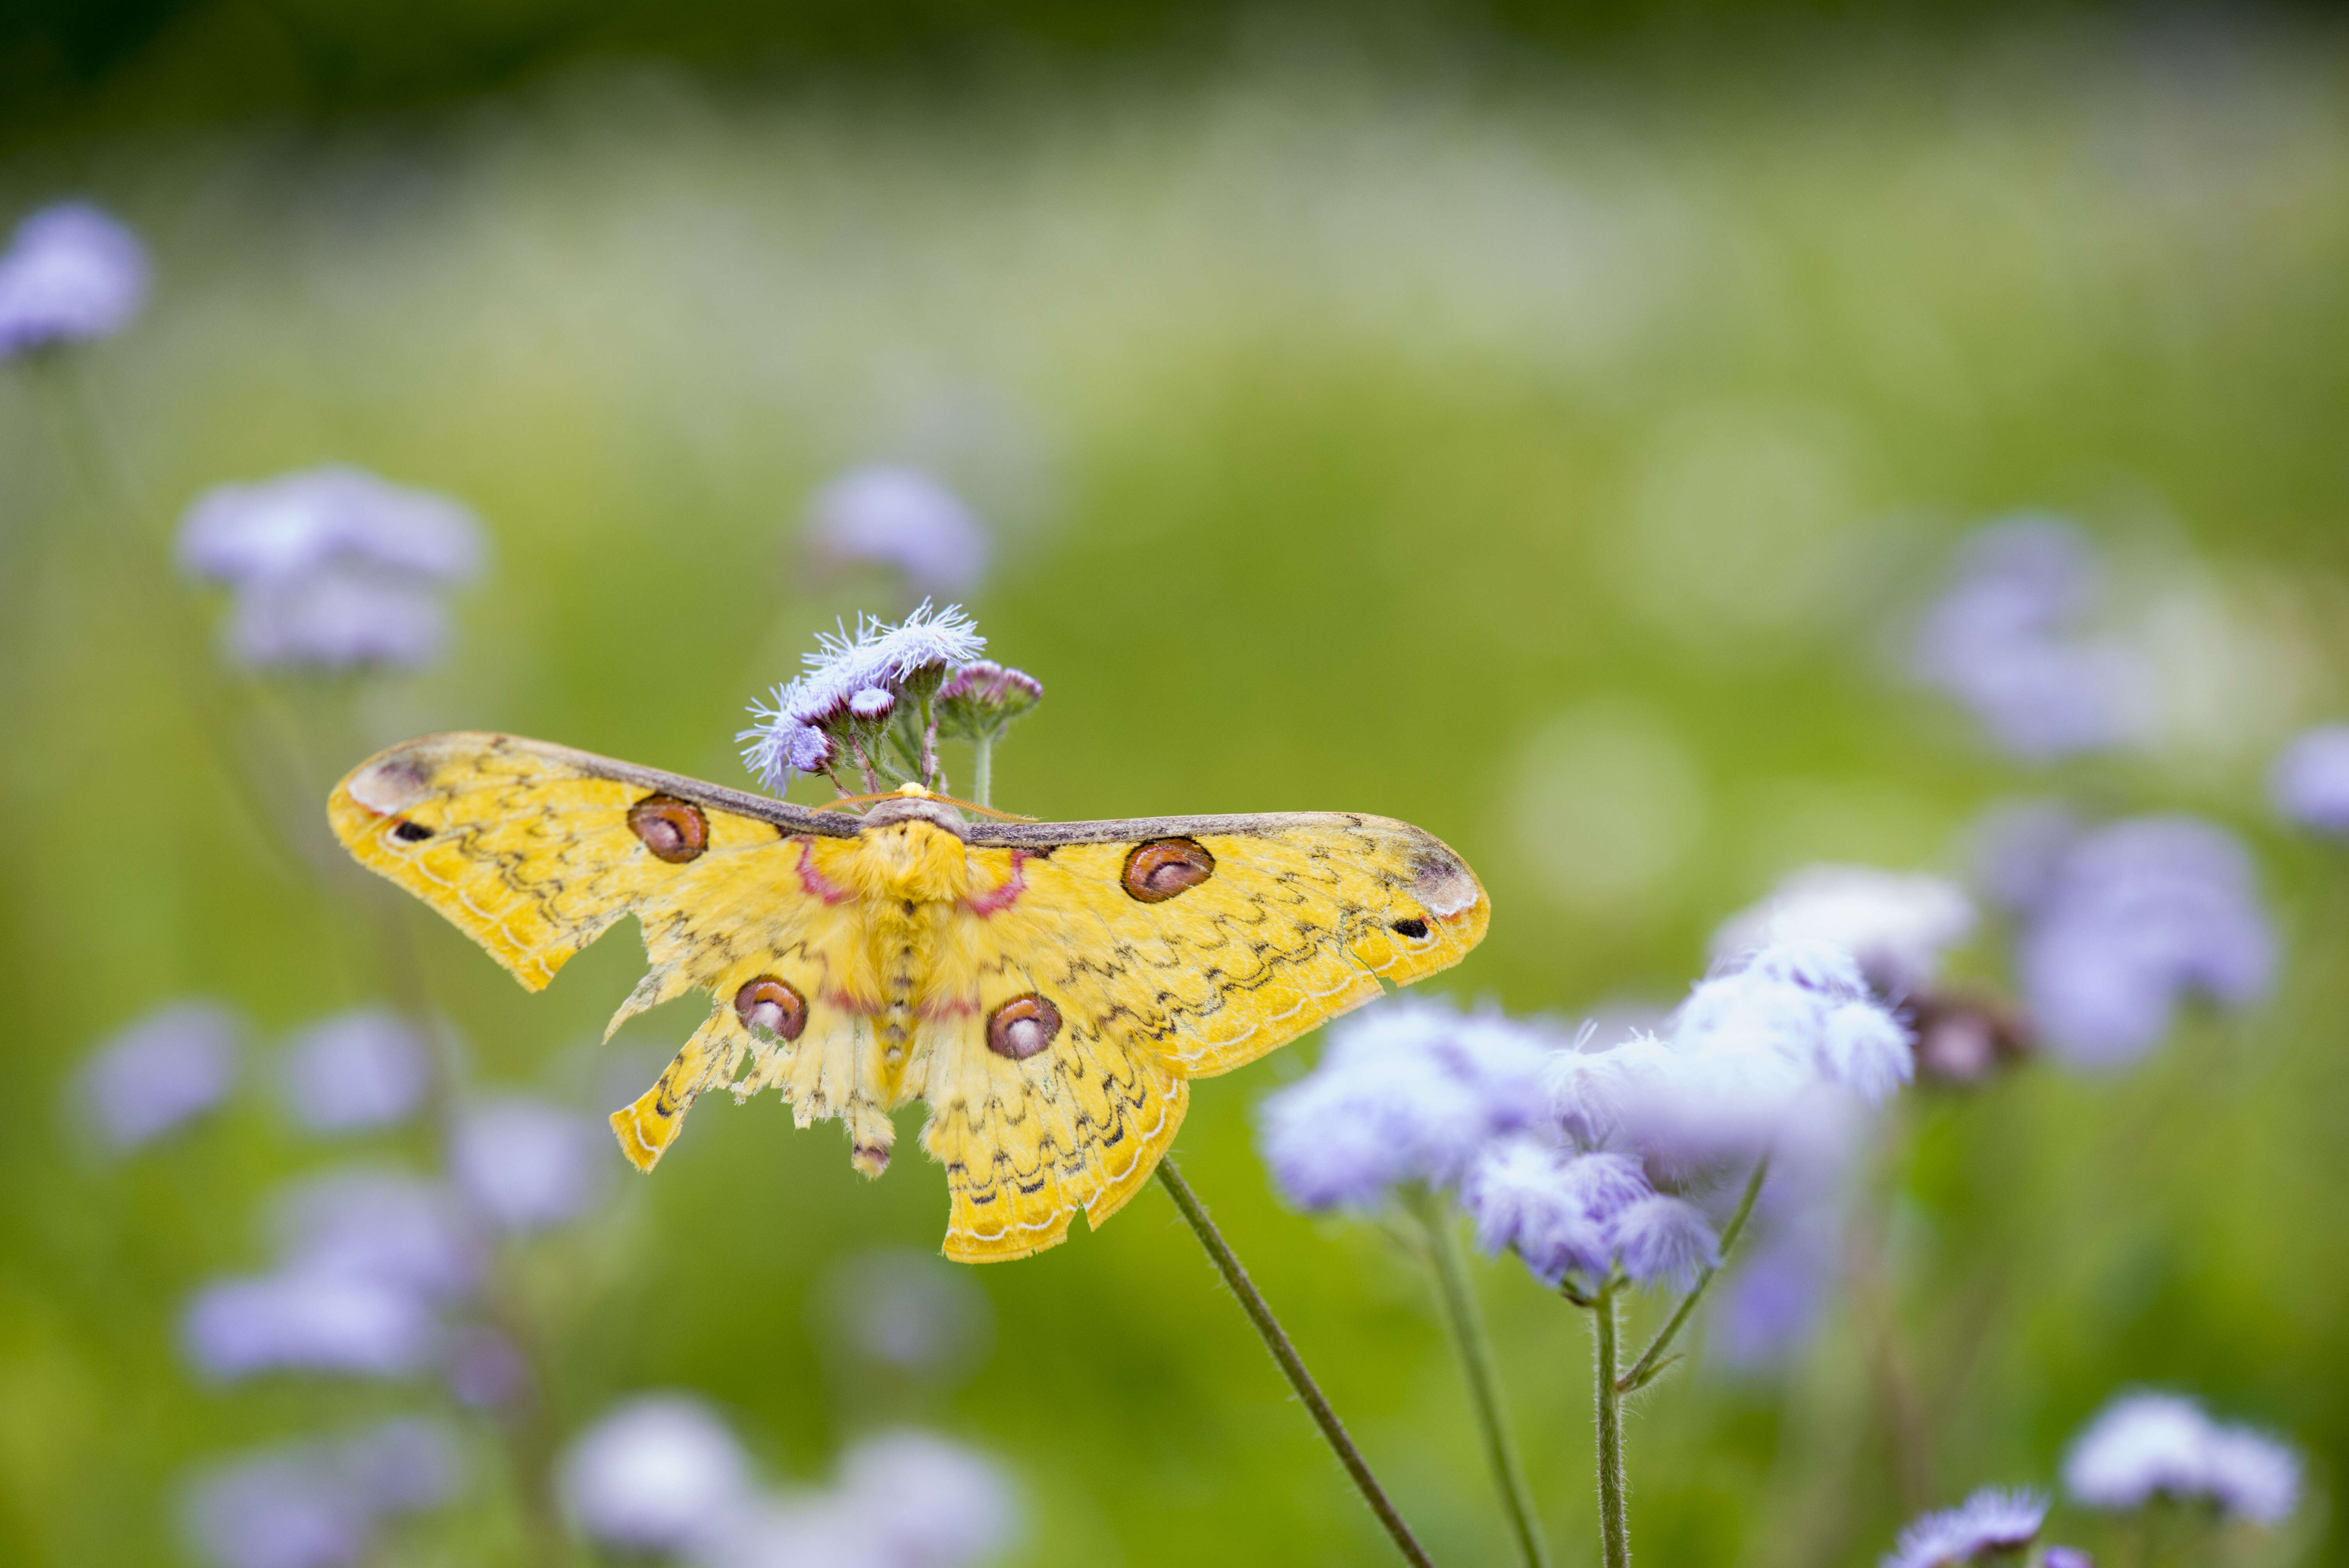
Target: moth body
[[1049, 989]]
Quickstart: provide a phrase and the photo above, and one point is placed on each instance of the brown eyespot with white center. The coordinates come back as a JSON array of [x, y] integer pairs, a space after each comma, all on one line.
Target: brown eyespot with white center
[[1157, 871], [675, 830], [771, 1007], [1023, 1026]]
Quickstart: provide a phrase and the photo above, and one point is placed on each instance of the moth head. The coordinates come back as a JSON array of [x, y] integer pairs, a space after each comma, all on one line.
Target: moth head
[[913, 849], [915, 804]]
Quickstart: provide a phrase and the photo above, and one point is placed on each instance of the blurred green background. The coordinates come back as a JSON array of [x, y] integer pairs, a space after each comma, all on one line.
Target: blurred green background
[[1536, 430]]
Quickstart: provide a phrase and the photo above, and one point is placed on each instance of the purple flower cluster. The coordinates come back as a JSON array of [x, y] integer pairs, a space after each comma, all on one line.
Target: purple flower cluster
[[1563, 1212], [2311, 780], [1556, 1152], [979, 701], [1987, 1524], [663, 1474], [2120, 923], [901, 519], [2143, 1446], [809, 724], [2006, 641], [333, 568], [1408, 1090], [160, 1073], [71, 275], [321, 1504]]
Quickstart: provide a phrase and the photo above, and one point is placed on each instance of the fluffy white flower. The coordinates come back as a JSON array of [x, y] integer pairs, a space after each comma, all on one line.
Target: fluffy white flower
[[2142, 1446], [1895, 924], [658, 1474]]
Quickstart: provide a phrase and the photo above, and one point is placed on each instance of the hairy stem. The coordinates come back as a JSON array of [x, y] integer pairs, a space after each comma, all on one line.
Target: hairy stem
[[982, 772], [1292, 1366], [1650, 1363], [1476, 1363], [1614, 1522]]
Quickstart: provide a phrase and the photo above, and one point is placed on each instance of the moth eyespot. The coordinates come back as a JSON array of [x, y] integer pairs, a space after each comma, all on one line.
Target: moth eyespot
[[1415, 928], [410, 833], [1157, 871], [1023, 1026], [675, 830], [771, 1007]]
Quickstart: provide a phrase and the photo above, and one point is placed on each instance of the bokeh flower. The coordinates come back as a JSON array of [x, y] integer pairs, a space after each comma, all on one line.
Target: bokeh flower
[[2310, 783], [2129, 920], [804, 725], [334, 568], [1897, 924], [484, 1368], [659, 1473], [2007, 640], [1988, 1522], [2148, 1445], [402, 1465], [901, 519], [799, 1528], [366, 1068], [385, 1227], [909, 1311], [71, 273], [326, 1320], [279, 1510], [527, 1165], [1407, 1090], [318, 1504], [1766, 1307], [159, 1072], [932, 1503], [2015, 849]]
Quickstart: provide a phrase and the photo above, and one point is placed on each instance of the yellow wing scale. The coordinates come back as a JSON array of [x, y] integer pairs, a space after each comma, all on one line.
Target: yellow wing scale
[[903, 933]]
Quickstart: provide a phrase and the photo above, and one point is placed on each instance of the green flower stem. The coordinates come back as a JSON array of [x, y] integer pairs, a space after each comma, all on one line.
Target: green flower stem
[[1275, 1340], [96, 466], [1644, 1370], [1614, 1522], [1477, 1362], [982, 772]]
